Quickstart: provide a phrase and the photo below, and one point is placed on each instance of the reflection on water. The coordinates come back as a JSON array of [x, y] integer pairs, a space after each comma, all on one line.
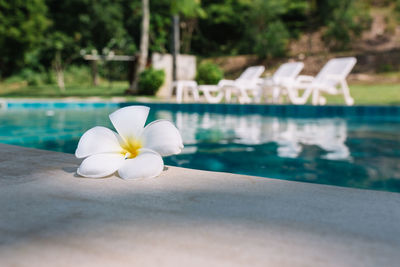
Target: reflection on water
[[288, 134], [334, 151]]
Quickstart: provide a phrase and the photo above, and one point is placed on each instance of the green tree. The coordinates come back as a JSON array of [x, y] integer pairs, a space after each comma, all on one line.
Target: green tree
[[91, 23], [224, 29], [349, 18], [268, 33], [62, 51], [249, 26], [92, 27], [22, 24], [273, 41], [189, 11]]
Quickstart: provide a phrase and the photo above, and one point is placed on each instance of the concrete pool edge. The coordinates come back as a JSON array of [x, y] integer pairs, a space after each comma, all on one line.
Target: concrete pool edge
[[186, 217]]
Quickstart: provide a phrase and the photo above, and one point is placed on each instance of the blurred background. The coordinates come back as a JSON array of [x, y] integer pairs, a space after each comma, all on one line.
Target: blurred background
[[45, 44]]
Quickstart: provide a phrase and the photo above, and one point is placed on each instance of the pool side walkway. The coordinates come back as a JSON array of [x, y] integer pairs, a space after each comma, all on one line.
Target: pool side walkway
[[51, 217]]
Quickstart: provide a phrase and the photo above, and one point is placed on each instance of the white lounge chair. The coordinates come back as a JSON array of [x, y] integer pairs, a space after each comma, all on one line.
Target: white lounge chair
[[284, 77], [331, 80], [248, 80], [183, 88]]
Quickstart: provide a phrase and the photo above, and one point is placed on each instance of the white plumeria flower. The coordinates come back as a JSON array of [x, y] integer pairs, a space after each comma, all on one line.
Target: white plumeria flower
[[135, 151]]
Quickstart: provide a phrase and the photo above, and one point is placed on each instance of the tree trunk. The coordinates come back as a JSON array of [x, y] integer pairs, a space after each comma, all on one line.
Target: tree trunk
[[60, 80], [59, 71], [95, 77], [175, 45], [187, 34], [144, 45]]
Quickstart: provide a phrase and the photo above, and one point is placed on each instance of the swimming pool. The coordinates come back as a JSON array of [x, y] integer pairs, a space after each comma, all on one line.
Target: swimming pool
[[346, 146]]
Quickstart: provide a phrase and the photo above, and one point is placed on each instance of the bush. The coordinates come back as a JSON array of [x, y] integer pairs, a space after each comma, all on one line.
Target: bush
[[209, 73], [150, 80], [75, 74], [273, 42], [113, 70], [385, 68], [397, 9], [31, 77], [72, 75], [348, 22]]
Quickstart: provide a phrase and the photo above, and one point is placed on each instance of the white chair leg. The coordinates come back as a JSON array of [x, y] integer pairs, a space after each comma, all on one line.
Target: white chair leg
[[346, 93], [315, 97], [179, 93], [258, 95], [243, 97], [228, 94], [295, 99], [276, 92], [213, 99], [195, 93], [185, 94]]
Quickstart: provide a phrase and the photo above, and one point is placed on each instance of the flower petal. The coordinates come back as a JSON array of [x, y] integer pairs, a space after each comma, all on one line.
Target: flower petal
[[163, 137], [129, 121], [101, 165], [147, 164], [98, 140]]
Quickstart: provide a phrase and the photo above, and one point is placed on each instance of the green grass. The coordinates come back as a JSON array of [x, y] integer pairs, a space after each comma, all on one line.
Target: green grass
[[50, 91], [371, 94]]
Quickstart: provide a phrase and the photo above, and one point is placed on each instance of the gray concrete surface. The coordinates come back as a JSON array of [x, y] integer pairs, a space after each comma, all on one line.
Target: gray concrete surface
[[50, 217]]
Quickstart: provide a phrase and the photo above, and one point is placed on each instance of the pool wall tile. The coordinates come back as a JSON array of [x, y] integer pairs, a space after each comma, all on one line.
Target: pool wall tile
[[263, 109]]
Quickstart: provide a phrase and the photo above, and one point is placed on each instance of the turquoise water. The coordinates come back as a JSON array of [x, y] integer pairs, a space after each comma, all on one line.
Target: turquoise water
[[346, 152]]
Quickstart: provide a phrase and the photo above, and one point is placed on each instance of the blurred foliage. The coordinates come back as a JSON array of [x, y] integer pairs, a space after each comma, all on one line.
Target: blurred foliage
[[42, 34], [273, 41], [74, 75], [397, 8], [22, 27], [209, 73], [31, 77], [347, 21], [187, 8], [150, 80], [89, 23], [77, 75], [224, 29], [269, 34]]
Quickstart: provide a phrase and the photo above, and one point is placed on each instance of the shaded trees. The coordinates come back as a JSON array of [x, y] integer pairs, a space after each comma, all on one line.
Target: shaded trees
[[40, 34], [22, 25], [346, 21], [81, 24]]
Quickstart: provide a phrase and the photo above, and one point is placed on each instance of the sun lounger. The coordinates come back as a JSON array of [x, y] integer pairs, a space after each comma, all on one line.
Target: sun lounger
[[284, 77], [331, 80], [248, 81], [183, 88]]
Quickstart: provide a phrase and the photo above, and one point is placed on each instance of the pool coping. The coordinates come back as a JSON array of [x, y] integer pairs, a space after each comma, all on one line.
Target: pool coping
[[185, 217]]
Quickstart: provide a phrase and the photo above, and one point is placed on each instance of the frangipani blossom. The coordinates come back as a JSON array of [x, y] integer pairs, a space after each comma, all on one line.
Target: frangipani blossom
[[135, 151]]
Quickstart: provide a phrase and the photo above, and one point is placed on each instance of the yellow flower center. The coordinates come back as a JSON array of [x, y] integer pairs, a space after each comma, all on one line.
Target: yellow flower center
[[130, 148]]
